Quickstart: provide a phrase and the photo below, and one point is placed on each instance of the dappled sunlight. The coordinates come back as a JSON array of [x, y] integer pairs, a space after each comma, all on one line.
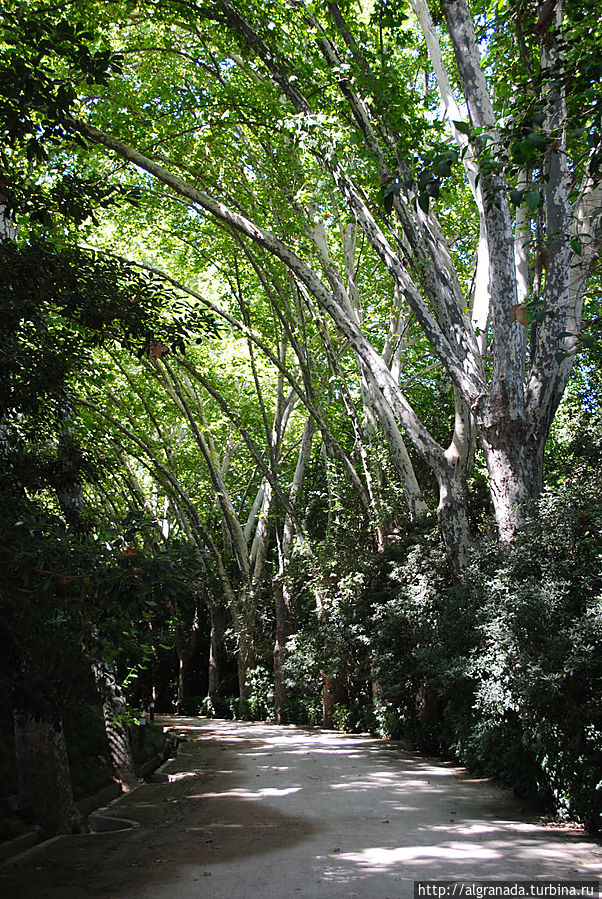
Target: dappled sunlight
[[469, 830], [380, 857], [173, 778], [342, 815], [251, 795]]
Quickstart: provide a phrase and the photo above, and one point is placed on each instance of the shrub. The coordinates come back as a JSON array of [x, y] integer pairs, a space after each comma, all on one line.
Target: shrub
[[503, 668]]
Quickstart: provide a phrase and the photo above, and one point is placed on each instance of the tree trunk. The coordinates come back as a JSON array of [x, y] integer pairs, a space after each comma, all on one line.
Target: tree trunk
[[186, 673], [187, 646], [515, 477], [281, 607], [44, 780], [218, 618], [452, 513], [246, 661], [333, 693], [382, 411], [114, 712], [452, 478]]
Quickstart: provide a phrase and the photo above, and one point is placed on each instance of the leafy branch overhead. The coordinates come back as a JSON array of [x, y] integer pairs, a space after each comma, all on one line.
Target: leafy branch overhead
[[299, 372], [99, 299]]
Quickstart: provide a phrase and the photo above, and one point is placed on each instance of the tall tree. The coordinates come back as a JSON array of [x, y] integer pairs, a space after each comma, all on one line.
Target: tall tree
[[300, 101]]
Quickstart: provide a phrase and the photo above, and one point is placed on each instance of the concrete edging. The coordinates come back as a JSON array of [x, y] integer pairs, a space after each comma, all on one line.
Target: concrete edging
[[90, 807]]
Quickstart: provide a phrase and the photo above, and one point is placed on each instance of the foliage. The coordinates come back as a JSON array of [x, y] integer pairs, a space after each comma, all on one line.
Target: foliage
[[320, 125], [499, 669], [259, 706], [503, 669], [62, 593], [47, 55], [60, 301]]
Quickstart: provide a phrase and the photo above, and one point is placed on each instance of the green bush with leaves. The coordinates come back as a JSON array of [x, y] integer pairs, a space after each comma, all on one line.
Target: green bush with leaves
[[503, 669]]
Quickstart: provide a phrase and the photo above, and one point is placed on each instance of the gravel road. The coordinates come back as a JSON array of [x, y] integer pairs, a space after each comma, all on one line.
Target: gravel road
[[254, 810]]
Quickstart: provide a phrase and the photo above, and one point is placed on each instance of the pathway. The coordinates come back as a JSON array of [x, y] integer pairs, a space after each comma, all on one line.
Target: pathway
[[254, 810]]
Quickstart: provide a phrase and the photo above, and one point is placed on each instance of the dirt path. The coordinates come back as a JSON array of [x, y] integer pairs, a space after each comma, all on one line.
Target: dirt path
[[260, 811]]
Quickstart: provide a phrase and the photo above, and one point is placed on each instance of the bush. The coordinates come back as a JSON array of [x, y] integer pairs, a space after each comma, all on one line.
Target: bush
[[503, 669], [259, 705], [500, 669], [190, 706]]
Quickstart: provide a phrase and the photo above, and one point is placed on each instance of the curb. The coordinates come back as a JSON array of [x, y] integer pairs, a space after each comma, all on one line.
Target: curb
[[90, 807], [19, 844]]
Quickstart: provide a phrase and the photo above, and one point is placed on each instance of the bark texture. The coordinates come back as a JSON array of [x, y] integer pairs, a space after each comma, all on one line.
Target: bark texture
[[281, 609], [188, 642], [114, 712], [43, 777], [218, 616]]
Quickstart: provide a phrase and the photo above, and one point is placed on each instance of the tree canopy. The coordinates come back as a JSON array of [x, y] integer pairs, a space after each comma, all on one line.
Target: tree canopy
[[281, 282]]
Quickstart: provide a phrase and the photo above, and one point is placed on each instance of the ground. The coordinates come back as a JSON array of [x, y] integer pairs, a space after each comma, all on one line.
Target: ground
[[255, 810]]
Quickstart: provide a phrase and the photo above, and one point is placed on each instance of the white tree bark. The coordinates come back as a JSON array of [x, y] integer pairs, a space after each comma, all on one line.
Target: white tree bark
[[512, 408]]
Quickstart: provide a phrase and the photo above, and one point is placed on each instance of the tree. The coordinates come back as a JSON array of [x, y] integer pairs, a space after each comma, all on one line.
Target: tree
[[307, 105], [59, 305]]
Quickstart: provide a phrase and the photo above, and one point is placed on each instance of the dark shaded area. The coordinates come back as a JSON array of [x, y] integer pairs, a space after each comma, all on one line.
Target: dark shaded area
[[180, 826]]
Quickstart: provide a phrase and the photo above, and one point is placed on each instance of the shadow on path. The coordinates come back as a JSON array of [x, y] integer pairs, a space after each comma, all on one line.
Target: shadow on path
[[254, 810]]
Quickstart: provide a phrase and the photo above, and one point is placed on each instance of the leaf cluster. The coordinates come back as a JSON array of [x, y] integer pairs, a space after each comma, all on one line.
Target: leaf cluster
[[45, 57]]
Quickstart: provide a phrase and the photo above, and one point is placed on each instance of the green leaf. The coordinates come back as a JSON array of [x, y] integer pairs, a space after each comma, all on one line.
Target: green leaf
[[462, 127], [577, 246], [423, 201], [536, 139], [533, 199]]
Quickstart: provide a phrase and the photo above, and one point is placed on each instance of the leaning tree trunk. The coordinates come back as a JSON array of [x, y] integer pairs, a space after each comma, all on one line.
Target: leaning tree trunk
[[43, 777], [114, 712], [452, 514], [452, 476], [280, 583]]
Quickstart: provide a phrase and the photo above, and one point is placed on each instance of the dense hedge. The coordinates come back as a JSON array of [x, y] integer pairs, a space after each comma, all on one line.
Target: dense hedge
[[500, 669]]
